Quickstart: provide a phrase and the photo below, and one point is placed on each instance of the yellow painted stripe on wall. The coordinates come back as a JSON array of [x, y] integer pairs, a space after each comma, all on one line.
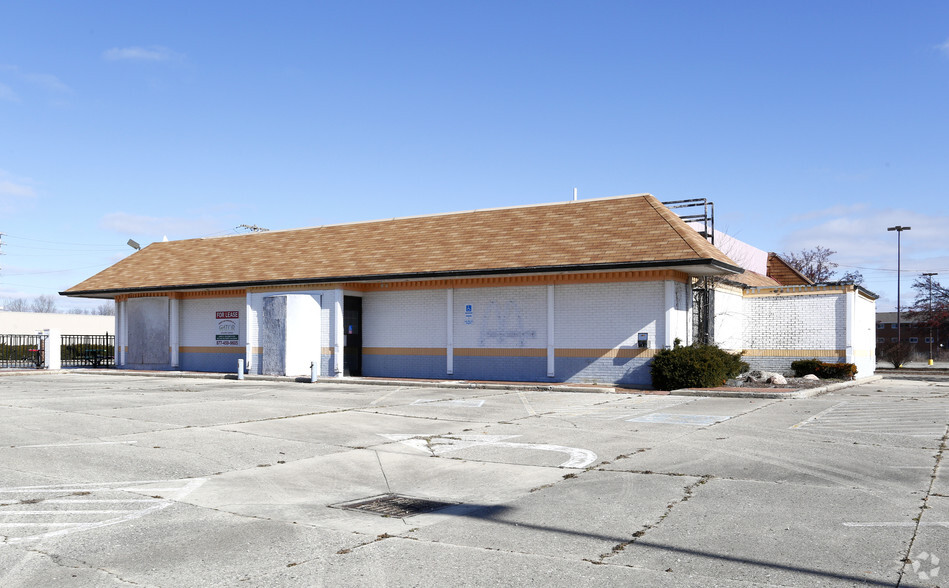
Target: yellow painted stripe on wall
[[228, 350], [795, 352], [404, 351], [506, 352]]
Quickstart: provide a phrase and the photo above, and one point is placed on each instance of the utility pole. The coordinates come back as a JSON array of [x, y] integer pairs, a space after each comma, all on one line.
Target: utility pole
[[930, 276], [899, 322]]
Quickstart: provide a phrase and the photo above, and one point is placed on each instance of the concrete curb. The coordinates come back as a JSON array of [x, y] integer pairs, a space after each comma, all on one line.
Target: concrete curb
[[463, 384], [453, 384], [799, 393], [466, 385]]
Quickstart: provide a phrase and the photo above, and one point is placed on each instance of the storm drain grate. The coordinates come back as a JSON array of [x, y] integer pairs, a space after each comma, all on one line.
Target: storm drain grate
[[394, 505]]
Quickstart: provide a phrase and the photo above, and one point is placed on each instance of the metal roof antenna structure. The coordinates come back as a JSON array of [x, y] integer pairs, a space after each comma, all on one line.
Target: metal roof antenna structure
[[702, 299], [252, 228], [706, 217]]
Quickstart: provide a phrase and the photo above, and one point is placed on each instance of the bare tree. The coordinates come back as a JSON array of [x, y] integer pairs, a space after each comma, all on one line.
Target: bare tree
[[921, 312], [852, 277], [76, 310], [105, 309], [814, 263], [16, 305], [44, 303]]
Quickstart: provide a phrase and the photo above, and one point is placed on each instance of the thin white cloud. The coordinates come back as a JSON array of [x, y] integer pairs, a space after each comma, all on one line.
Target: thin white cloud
[[153, 53], [7, 93], [140, 226], [833, 211], [8, 188], [944, 47], [49, 82], [14, 187], [863, 243]]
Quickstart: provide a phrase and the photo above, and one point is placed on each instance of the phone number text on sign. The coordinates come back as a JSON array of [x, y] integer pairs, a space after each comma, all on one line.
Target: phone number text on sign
[[228, 327]]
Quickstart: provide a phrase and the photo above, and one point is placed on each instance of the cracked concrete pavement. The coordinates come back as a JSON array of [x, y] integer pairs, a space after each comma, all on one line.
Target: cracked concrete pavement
[[124, 480]]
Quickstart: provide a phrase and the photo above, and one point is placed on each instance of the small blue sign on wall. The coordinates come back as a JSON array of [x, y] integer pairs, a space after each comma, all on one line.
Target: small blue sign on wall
[[469, 316]]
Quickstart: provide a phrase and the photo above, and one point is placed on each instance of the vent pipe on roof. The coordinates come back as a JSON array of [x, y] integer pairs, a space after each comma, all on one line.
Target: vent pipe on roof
[[574, 194]]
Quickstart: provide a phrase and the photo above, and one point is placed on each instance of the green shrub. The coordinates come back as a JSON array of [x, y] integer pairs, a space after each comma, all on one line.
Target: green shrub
[[837, 371], [694, 366], [804, 367], [823, 370]]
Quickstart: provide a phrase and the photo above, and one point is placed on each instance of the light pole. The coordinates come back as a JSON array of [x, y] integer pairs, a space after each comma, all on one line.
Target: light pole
[[930, 276], [899, 322]]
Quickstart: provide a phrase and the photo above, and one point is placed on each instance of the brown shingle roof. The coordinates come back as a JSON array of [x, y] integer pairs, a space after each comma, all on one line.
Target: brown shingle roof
[[752, 279], [621, 232], [780, 271]]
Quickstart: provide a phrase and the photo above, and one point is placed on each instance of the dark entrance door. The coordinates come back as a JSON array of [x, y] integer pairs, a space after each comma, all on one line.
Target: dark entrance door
[[352, 336]]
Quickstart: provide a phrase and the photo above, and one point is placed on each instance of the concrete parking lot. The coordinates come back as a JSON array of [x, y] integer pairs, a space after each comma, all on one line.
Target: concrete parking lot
[[126, 480]]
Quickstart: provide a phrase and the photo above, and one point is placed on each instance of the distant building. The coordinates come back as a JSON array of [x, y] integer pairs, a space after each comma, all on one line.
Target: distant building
[[915, 337], [29, 323]]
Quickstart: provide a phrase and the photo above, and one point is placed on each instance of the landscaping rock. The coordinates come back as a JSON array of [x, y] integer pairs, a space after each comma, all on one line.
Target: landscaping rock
[[777, 380]]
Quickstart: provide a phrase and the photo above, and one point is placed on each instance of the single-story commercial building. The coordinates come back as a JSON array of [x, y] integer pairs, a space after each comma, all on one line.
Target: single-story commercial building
[[576, 291]]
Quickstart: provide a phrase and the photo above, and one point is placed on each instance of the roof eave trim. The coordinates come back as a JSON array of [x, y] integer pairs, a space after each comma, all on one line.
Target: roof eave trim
[[723, 268]]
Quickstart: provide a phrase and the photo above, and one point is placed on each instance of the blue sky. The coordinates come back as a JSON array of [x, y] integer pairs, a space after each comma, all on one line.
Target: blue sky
[[807, 123]]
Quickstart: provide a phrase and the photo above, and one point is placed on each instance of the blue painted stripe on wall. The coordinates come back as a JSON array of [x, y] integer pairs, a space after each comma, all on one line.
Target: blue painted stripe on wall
[[405, 366], [209, 362], [512, 369], [618, 370]]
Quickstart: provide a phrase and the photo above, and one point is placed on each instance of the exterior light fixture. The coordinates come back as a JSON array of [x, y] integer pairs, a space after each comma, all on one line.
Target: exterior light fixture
[[899, 323], [134, 245]]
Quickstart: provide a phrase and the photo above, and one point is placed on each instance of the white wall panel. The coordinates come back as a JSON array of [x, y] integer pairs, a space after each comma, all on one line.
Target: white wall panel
[[514, 317], [410, 318]]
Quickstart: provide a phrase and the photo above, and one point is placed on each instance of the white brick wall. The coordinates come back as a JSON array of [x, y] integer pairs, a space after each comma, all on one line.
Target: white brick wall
[[513, 317], [413, 318], [606, 316], [795, 322], [198, 325]]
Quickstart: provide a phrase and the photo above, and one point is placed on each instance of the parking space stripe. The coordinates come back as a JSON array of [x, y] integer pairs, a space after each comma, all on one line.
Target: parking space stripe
[[42, 525], [76, 444], [911, 420], [125, 507], [89, 511]]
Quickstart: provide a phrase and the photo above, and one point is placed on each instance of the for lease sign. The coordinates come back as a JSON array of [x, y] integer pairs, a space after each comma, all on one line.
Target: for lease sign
[[228, 327]]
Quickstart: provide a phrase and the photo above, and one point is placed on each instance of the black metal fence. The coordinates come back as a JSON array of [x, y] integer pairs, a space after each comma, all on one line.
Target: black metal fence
[[88, 350], [22, 351]]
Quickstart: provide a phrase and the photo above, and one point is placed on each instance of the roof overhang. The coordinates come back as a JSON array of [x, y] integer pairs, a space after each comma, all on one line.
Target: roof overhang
[[693, 267]]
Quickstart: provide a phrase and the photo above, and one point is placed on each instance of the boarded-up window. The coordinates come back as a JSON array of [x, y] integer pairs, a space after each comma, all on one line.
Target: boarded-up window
[[148, 341]]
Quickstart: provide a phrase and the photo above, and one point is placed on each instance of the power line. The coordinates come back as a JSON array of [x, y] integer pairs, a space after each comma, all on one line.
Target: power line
[[887, 269], [56, 271], [59, 242]]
